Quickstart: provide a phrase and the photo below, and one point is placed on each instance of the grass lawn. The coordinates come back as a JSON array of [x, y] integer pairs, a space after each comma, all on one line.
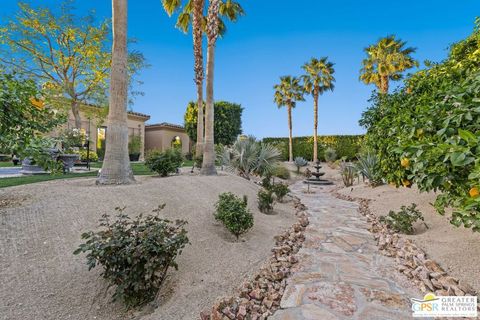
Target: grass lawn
[[6, 164]]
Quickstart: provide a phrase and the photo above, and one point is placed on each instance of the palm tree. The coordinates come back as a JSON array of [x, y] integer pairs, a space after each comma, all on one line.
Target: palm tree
[[208, 164], [192, 14], [287, 93], [386, 61], [318, 79], [116, 165]]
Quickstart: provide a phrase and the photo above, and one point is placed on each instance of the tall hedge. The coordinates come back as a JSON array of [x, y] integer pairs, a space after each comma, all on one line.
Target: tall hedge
[[345, 145]]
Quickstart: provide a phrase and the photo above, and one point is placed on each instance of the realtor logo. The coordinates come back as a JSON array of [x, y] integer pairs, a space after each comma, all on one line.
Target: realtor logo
[[445, 306]]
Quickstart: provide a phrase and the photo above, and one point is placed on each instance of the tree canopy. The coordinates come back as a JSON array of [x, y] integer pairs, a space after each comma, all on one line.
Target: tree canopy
[[228, 121]]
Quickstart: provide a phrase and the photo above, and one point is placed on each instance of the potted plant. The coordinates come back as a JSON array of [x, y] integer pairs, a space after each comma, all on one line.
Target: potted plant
[[70, 141], [134, 147]]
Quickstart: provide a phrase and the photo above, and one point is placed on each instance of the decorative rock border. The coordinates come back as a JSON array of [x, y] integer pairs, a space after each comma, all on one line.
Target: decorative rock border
[[260, 297], [412, 261]]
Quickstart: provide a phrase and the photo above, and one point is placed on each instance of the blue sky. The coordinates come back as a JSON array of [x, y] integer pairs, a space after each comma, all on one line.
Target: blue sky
[[275, 38]]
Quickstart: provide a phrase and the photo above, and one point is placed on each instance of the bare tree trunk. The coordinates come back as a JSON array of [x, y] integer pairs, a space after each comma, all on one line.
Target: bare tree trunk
[[199, 72], [76, 114], [290, 138], [315, 125], [116, 164], [208, 165]]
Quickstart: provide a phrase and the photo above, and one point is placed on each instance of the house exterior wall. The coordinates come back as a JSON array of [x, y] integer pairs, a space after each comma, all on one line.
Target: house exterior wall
[[161, 138]]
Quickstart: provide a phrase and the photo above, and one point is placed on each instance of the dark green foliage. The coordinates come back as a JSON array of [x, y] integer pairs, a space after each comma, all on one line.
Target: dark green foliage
[[265, 200], [346, 146], [403, 220], [233, 213], [280, 190], [227, 121], [281, 172], [135, 253], [433, 121], [165, 162]]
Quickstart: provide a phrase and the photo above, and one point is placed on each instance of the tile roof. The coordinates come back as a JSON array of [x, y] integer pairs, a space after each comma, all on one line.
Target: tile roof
[[165, 124]]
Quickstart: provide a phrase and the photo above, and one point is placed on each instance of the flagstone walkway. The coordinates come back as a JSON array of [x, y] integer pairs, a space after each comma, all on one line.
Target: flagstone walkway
[[341, 274]]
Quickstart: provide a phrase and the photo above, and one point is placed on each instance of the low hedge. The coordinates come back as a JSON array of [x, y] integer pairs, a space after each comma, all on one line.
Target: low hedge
[[345, 145]]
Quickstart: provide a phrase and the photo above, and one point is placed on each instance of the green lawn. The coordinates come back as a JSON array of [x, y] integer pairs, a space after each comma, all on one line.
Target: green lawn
[[139, 169]]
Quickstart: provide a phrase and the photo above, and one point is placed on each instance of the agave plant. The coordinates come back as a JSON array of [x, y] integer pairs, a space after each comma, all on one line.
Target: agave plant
[[368, 166], [300, 162], [248, 156]]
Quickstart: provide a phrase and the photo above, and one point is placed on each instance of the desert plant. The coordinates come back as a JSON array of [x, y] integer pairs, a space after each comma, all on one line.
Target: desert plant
[[281, 172], [248, 156], [348, 173], [280, 190], [300, 162], [330, 155], [403, 220], [233, 212], [265, 200], [368, 166], [165, 162], [135, 253]]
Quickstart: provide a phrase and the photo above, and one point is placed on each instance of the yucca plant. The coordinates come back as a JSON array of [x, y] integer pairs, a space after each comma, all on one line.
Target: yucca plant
[[369, 167], [300, 162], [248, 156], [348, 173]]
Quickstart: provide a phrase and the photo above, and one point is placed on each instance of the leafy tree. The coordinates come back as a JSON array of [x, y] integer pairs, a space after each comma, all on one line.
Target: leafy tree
[[287, 93], [116, 164], [386, 60], [69, 55], [23, 115], [427, 132], [318, 78], [228, 121], [193, 13]]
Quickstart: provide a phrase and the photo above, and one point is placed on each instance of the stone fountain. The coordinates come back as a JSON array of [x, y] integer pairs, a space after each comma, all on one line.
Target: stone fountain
[[316, 180]]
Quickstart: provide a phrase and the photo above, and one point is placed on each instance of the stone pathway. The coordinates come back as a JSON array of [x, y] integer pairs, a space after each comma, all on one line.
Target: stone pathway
[[341, 274]]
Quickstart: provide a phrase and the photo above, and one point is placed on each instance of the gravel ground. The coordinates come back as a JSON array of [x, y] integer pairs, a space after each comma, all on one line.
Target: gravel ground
[[42, 279]]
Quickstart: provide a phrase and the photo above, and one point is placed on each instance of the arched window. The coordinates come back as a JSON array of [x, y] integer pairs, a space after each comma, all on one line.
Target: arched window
[[177, 142]]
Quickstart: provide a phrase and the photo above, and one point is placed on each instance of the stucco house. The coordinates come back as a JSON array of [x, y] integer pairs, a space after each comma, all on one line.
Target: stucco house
[[162, 136]]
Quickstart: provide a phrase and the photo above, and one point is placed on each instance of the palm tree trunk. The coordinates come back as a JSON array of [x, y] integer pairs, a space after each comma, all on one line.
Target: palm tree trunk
[[385, 84], [199, 73], [116, 165], [76, 114], [290, 138], [208, 164], [315, 125]]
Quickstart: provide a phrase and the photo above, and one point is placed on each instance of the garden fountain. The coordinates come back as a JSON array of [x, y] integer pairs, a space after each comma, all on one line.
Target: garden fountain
[[316, 180]]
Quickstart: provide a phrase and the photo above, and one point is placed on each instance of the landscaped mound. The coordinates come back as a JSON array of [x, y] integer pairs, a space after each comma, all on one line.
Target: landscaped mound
[[42, 278]]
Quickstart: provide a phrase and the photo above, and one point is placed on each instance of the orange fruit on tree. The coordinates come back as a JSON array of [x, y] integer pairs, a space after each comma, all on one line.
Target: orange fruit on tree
[[405, 162], [474, 192], [406, 183]]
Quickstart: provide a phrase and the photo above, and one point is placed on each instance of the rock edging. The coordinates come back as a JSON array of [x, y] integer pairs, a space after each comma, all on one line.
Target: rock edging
[[411, 261], [260, 297]]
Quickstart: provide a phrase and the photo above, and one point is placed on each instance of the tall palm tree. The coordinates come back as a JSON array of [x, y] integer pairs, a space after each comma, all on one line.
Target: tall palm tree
[[386, 60], [192, 14], [287, 93], [318, 78], [116, 165], [208, 164]]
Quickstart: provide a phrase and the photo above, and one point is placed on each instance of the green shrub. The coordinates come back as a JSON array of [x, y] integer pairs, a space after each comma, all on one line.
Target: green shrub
[[265, 200], [403, 220], [93, 155], [135, 253], [165, 162], [135, 144], [346, 146], [280, 190], [233, 213], [330, 155], [369, 167], [281, 172]]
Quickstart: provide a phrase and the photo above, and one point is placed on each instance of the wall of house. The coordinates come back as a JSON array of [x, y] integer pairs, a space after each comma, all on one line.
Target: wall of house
[[161, 138]]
